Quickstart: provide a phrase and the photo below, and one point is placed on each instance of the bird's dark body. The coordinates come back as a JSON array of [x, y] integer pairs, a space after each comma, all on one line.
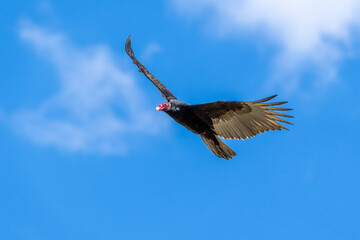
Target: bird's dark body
[[183, 114]]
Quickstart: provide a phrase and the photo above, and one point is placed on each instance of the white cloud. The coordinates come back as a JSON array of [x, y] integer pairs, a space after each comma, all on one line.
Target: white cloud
[[150, 50], [309, 32], [84, 115]]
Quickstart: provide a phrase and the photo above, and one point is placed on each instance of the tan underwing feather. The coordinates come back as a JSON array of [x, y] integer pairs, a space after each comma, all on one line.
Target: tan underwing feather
[[241, 125]]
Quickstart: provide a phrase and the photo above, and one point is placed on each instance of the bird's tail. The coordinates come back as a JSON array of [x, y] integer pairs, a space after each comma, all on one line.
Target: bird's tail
[[218, 147]]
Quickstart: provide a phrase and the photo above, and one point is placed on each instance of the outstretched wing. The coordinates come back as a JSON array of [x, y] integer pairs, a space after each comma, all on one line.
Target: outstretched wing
[[164, 91], [241, 120]]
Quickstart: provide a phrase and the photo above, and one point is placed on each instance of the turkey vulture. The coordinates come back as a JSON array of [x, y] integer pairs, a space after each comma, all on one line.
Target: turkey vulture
[[226, 119]]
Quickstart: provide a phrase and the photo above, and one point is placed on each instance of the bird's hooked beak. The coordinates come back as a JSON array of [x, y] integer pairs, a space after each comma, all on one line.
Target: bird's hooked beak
[[158, 108]]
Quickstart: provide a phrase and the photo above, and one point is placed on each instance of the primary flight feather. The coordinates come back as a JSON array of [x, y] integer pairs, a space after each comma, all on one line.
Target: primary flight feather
[[226, 119]]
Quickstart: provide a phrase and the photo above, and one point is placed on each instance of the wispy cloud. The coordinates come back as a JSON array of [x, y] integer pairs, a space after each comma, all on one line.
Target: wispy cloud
[[311, 34], [151, 49], [98, 106]]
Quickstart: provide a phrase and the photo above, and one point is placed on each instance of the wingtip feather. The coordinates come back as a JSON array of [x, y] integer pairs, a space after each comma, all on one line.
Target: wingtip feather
[[265, 99], [128, 49]]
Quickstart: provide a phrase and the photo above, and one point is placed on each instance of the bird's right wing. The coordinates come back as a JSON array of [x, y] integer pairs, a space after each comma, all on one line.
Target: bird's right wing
[[163, 90], [241, 120]]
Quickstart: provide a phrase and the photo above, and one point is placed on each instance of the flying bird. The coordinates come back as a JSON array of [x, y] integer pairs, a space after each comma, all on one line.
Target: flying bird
[[226, 119]]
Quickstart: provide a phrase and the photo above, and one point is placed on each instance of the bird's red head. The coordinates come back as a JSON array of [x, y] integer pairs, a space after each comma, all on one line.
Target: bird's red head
[[163, 107]]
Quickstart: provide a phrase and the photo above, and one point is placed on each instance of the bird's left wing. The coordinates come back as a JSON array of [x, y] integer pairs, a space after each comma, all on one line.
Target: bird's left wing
[[241, 120], [163, 90]]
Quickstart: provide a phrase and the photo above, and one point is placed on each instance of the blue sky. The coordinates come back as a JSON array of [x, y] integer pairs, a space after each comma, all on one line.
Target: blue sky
[[84, 154]]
